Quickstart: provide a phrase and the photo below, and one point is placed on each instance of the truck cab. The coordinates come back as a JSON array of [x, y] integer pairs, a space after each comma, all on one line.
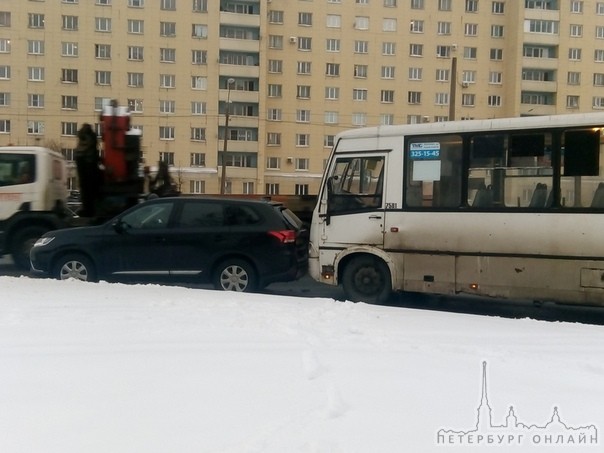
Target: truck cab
[[33, 193]]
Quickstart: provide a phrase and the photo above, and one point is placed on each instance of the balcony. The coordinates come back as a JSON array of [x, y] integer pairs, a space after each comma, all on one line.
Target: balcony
[[233, 70], [539, 86], [240, 45], [247, 20]]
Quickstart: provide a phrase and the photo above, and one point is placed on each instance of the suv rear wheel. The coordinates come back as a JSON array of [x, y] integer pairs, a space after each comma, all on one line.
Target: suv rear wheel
[[235, 275]]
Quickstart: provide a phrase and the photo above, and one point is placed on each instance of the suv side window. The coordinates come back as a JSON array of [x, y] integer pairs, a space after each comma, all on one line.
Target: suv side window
[[241, 215], [149, 216], [196, 214]]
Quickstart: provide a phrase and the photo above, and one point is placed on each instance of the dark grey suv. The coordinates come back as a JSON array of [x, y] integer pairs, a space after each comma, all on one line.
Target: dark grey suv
[[239, 245]]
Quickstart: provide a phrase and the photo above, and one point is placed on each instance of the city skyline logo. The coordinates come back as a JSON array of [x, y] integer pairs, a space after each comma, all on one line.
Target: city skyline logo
[[553, 432]]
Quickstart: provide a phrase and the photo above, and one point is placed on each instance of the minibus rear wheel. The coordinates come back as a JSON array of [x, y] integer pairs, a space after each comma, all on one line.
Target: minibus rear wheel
[[367, 279]]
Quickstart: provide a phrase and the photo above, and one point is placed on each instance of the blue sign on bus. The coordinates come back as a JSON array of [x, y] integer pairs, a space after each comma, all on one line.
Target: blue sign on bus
[[424, 151]]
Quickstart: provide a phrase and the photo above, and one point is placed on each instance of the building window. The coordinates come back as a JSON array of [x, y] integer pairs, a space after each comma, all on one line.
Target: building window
[[136, 26], [388, 48], [35, 74], [389, 25], [301, 189], [102, 51], [574, 54], [599, 55], [167, 81], [198, 108], [103, 2], [4, 99], [274, 90], [275, 66], [102, 24], [443, 51], [573, 78], [69, 23], [274, 115], [304, 43], [468, 100], [443, 28], [135, 79], [136, 3], [102, 77], [169, 5], [386, 119], [273, 138], [598, 80], [198, 160], [468, 77], [441, 99], [416, 50], [4, 126], [304, 67], [69, 75], [199, 56], [273, 163], [135, 53], [100, 102], [199, 31], [494, 101], [69, 49], [471, 6], [35, 127], [167, 107], [166, 132], [498, 7], [69, 102], [5, 18], [248, 187], [359, 119], [198, 134], [495, 78], [389, 71], [272, 189], [332, 69], [35, 47], [304, 18], [359, 94], [416, 26], [414, 73], [135, 105], [417, 4], [303, 92], [5, 45], [576, 6], [332, 45], [332, 118], [302, 140], [332, 93], [497, 31], [35, 20], [328, 141], [200, 6], [576, 31], [302, 164], [360, 71], [302, 116], [167, 55], [361, 23], [572, 102], [543, 26], [598, 102], [444, 5], [496, 54], [275, 17], [470, 53], [414, 97], [361, 46], [442, 75], [387, 96], [168, 29], [69, 128], [197, 186], [334, 21], [199, 83], [167, 157]]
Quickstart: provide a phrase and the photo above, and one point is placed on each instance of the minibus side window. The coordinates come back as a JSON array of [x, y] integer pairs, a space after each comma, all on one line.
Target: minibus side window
[[434, 169], [356, 184]]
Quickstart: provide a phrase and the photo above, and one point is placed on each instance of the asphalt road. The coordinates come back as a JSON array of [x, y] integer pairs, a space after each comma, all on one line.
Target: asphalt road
[[307, 287]]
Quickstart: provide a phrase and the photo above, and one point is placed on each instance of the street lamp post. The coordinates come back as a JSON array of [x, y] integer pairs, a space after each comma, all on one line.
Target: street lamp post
[[226, 137]]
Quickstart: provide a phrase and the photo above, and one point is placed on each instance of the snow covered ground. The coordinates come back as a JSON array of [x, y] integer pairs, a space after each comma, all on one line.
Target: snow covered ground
[[115, 368]]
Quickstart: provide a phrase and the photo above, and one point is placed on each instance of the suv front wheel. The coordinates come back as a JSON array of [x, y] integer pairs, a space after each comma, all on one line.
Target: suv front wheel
[[235, 275]]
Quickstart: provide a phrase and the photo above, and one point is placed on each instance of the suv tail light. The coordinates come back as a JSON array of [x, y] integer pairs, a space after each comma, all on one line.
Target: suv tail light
[[284, 236]]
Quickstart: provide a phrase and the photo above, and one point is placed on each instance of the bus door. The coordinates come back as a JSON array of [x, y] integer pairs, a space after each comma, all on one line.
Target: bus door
[[351, 209]]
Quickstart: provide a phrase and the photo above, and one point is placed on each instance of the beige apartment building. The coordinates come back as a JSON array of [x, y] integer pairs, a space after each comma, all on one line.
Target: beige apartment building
[[264, 86]]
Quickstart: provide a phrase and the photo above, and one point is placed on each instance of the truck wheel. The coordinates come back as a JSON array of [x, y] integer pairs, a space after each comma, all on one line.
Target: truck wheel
[[367, 279], [235, 275], [74, 266], [23, 242]]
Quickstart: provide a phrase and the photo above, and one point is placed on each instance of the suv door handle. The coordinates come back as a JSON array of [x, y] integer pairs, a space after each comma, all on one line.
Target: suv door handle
[[378, 217]]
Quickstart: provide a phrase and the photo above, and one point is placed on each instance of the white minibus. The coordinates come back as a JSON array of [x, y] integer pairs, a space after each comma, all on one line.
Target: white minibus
[[509, 208]]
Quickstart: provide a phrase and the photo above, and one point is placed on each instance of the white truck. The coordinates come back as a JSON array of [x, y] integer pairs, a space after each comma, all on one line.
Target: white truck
[[33, 194]]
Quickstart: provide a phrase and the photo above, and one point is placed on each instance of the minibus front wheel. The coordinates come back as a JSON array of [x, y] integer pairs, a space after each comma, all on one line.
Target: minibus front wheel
[[367, 279]]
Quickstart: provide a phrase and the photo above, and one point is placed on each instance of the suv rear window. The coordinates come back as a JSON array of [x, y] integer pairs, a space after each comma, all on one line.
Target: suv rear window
[[291, 218]]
